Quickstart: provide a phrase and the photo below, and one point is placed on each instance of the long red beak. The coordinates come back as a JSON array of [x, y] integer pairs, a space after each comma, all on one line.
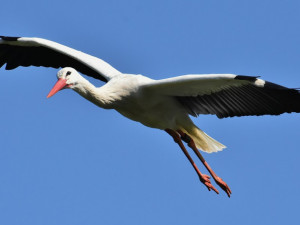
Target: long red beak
[[60, 84]]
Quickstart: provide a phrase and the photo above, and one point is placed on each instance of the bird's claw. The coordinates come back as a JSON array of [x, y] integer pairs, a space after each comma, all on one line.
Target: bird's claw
[[205, 180], [223, 185]]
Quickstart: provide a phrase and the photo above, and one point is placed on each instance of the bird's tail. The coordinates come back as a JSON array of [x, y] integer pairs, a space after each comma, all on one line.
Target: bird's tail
[[203, 141]]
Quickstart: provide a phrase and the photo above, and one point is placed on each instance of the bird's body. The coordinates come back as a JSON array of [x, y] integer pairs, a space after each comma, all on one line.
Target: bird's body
[[128, 94], [163, 104], [125, 94]]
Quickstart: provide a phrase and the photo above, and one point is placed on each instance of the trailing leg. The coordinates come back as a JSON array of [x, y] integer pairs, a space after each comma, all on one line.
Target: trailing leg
[[186, 138], [203, 178]]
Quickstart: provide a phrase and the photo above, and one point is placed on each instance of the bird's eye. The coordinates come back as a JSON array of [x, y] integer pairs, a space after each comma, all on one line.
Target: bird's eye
[[68, 73]]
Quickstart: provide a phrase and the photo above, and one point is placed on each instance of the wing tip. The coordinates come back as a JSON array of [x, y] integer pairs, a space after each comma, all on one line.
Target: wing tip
[[8, 38]]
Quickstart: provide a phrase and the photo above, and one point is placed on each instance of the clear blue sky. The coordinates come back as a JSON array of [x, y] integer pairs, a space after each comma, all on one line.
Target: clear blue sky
[[65, 161]]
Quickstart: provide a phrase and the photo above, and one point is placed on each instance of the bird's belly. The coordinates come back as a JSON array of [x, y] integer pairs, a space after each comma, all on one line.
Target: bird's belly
[[156, 114]]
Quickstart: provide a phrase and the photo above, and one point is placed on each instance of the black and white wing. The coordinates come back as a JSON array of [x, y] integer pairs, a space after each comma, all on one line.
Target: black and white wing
[[228, 95], [22, 51]]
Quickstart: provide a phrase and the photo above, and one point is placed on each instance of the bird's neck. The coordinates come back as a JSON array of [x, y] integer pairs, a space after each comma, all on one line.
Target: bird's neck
[[93, 94]]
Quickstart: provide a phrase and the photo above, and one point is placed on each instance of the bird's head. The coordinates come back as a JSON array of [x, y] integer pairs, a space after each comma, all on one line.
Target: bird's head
[[67, 78]]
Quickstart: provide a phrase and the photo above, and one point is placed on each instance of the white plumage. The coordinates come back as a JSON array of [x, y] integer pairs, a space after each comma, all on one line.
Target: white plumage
[[163, 104]]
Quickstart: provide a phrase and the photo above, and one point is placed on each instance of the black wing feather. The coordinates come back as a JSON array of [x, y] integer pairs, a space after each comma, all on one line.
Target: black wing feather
[[246, 100], [14, 56]]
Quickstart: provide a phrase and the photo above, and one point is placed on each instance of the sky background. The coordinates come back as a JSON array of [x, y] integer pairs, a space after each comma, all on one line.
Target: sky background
[[65, 161]]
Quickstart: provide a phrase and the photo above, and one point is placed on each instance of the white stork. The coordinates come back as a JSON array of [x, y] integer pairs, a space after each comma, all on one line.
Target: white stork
[[163, 104]]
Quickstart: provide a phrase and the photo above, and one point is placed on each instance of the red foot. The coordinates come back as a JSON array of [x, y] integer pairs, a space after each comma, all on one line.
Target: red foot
[[205, 180], [223, 185]]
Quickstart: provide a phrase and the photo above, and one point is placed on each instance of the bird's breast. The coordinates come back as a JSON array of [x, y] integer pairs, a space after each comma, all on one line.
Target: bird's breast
[[152, 111]]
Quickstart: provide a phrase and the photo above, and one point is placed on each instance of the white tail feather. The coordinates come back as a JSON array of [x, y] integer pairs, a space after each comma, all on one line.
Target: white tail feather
[[203, 141]]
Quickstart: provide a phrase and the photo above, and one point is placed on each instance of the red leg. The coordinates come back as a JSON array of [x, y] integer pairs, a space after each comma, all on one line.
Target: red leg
[[192, 145], [203, 178]]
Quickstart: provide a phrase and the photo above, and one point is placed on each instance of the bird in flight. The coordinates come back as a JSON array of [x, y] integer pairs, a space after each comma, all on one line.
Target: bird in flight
[[163, 104]]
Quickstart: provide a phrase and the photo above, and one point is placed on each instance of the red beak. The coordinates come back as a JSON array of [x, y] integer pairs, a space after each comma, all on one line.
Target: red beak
[[60, 84]]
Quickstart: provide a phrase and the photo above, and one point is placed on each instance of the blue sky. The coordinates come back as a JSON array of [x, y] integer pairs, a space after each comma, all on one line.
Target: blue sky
[[65, 161]]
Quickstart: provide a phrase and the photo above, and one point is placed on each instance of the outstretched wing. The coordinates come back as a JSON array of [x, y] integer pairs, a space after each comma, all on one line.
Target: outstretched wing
[[22, 51], [228, 95]]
